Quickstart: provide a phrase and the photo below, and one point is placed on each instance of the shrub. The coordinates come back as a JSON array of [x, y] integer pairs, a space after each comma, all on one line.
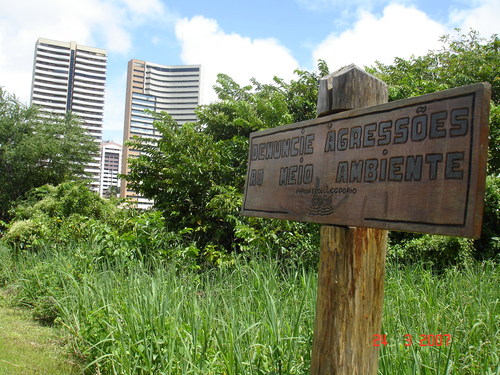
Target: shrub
[[7, 266], [25, 234], [436, 251], [62, 201], [488, 245]]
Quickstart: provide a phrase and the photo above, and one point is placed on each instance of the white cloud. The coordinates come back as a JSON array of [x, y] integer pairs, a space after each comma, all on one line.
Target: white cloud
[[483, 18], [204, 42], [400, 32], [321, 5], [145, 7], [99, 23]]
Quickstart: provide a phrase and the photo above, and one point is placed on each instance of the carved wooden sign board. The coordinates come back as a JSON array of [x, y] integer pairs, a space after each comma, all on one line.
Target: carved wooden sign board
[[415, 165]]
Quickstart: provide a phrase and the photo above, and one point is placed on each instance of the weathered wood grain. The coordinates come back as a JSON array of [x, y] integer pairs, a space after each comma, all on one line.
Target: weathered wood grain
[[349, 301], [351, 271], [350, 78]]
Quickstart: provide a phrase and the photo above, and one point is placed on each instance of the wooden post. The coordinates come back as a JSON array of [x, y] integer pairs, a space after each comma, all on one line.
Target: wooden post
[[352, 260]]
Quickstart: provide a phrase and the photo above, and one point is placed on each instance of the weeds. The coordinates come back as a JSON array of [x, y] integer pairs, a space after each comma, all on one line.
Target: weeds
[[251, 317]]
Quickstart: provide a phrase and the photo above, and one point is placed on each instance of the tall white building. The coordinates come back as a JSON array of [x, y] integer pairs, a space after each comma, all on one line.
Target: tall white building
[[71, 77], [174, 89], [111, 162]]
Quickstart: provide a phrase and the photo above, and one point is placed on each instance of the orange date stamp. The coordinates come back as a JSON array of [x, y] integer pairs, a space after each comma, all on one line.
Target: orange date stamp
[[422, 340]]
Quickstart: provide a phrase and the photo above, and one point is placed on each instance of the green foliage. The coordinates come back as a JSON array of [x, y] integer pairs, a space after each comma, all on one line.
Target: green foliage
[[69, 215], [289, 242], [181, 173], [36, 149], [494, 140], [249, 317], [488, 245], [196, 172], [439, 252], [7, 266], [62, 201], [461, 302], [58, 215], [464, 59], [25, 234], [39, 281]]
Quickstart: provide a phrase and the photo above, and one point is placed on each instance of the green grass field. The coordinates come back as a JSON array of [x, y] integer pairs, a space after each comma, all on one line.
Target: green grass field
[[252, 317]]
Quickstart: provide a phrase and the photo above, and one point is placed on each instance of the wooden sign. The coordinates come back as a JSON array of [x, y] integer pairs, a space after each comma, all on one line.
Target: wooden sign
[[414, 165]]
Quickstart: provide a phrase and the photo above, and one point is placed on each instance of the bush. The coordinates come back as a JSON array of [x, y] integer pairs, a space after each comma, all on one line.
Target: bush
[[488, 245], [62, 201], [289, 242], [69, 215], [40, 282], [439, 252], [7, 266], [25, 234]]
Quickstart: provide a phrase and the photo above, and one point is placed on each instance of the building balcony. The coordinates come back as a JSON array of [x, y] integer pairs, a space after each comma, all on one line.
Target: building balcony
[[85, 91], [89, 81], [51, 74], [50, 87], [51, 63], [52, 50], [90, 104], [90, 72]]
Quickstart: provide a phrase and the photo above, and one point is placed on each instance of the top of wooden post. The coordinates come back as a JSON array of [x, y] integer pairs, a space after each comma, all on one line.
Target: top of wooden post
[[348, 88]]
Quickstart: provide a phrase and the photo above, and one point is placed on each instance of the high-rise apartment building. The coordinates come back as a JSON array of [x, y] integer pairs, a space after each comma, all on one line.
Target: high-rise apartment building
[[172, 89], [71, 77], [111, 161]]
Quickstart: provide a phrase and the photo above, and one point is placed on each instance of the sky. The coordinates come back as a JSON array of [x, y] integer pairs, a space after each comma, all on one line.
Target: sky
[[245, 39]]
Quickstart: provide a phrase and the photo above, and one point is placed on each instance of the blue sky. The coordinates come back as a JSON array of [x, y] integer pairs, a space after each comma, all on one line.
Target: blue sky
[[245, 39]]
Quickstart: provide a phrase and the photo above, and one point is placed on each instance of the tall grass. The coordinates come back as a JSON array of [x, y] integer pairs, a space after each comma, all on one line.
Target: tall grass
[[252, 317], [6, 266], [463, 303]]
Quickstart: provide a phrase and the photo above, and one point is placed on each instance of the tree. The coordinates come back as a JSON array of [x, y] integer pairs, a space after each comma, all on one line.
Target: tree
[[181, 172], [242, 110], [463, 59], [196, 172], [37, 149]]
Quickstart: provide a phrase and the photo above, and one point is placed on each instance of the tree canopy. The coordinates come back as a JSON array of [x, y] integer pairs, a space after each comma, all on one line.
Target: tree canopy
[[37, 149], [195, 173], [463, 59]]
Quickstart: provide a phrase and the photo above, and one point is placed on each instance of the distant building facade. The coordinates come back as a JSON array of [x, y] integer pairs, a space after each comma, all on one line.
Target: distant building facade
[[111, 163], [174, 89], [70, 77]]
